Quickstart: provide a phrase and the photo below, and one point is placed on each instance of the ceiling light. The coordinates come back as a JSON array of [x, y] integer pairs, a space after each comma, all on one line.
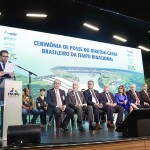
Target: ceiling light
[[91, 26], [0, 13], [36, 15], [119, 38], [144, 48], [149, 31]]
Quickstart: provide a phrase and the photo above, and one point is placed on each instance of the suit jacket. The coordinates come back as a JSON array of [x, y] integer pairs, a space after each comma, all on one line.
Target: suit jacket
[[132, 98], [5, 76], [104, 100], [72, 100], [144, 96], [88, 96], [51, 98]]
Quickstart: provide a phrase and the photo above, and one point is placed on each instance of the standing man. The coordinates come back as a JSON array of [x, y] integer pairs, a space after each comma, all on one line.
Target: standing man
[[77, 102], [145, 95], [92, 98], [41, 106], [3, 64], [110, 106], [57, 104]]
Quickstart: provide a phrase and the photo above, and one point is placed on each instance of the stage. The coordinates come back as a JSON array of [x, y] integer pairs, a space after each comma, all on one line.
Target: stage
[[74, 137]]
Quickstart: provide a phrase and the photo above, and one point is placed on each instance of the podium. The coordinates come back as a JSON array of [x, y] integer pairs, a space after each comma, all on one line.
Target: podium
[[136, 124], [12, 105]]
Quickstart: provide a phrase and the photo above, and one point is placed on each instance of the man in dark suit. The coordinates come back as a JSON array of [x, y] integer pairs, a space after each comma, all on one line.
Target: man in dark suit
[[3, 64], [110, 106], [136, 98], [77, 102], [92, 98], [57, 104], [145, 95]]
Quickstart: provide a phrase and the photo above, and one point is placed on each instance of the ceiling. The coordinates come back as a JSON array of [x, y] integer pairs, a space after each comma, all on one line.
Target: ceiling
[[66, 17]]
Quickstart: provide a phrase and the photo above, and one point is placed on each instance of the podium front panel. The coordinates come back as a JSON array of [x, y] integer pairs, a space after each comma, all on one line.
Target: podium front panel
[[12, 105]]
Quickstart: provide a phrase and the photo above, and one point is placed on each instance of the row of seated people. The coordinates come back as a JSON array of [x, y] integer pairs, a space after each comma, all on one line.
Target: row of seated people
[[90, 101]]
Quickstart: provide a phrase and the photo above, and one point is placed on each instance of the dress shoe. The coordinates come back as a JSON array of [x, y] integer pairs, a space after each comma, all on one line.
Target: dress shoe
[[110, 125], [81, 128], [64, 126], [92, 127], [98, 126]]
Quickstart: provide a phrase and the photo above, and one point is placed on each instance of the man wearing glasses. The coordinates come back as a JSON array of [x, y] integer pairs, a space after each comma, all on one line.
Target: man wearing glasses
[[3, 64]]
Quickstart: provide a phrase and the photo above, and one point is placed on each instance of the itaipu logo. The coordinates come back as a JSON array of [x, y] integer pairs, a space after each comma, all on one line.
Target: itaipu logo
[[13, 92]]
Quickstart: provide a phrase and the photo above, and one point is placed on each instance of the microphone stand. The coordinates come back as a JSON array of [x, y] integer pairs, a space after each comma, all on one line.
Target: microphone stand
[[29, 85]]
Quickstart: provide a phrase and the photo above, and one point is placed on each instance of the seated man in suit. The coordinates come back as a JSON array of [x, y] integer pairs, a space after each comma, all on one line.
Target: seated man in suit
[[145, 95], [77, 102], [110, 106], [28, 107], [92, 98], [135, 98], [57, 104]]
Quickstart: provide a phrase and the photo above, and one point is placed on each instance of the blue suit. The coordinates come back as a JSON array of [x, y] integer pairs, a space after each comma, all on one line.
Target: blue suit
[[88, 98]]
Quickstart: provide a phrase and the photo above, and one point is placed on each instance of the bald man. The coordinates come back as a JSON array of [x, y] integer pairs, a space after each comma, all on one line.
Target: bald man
[[110, 106], [77, 102], [56, 101], [136, 98]]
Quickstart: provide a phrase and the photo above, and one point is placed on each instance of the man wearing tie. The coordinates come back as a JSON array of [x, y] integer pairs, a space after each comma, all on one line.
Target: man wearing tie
[[57, 104], [110, 106], [77, 102], [92, 98], [136, 98], [145, 95], [3, 64]]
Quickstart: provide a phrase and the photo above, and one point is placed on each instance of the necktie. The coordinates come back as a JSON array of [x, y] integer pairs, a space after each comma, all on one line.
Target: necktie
[[93, 94], [59, 103], [77, 98], [147, 94], [109, 98], [136, 97], [3, 66]]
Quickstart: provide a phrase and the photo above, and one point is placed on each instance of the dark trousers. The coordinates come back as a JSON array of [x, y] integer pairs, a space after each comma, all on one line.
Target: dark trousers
[[42, 112], [96, 113], [110, 110], [57, 112], [79, 111], [25, 112]]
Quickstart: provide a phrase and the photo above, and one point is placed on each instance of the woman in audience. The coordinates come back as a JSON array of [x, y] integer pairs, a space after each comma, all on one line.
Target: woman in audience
[[122, 100], [28, 107]]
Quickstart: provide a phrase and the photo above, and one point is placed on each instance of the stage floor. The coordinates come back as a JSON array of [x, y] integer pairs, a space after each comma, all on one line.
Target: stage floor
[[74, 136]]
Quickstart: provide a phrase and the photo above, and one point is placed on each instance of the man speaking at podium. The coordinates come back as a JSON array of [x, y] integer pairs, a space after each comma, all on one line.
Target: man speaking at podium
[[3, 64]]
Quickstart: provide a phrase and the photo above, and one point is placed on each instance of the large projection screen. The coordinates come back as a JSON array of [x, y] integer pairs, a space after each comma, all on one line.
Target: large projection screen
[[70, 59]]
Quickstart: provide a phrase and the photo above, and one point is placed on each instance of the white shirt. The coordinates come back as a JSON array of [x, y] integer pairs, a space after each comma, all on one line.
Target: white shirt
[[57, 91], [146, 93], [107, 97], [93, 99], [78, 97]]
